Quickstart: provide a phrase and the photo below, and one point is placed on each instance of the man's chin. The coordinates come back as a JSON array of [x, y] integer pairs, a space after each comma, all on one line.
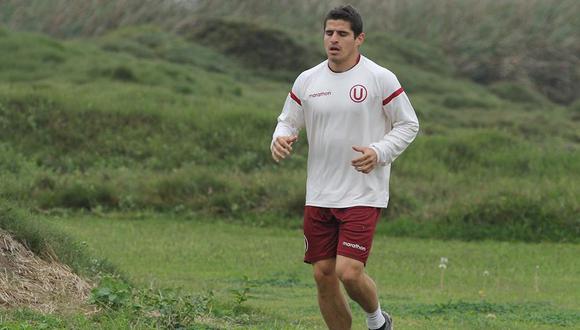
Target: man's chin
[[334, 57]]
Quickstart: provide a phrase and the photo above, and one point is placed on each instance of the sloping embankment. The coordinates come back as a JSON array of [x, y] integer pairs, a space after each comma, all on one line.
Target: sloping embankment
[[29, 281]]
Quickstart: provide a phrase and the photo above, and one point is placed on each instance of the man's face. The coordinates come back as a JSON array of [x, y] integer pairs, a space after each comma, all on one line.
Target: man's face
[[339, 40]]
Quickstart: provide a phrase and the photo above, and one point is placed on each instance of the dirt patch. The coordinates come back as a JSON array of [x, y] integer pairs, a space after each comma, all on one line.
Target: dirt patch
[[29, 281]]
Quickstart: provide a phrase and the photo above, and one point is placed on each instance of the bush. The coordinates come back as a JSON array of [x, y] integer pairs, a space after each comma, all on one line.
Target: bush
[[468, 102], [80, 196], [575, 112], [517, 92], [123, 73], [111, 293], [257, 46], [394, 49], [513, 216], [466, 150], [401, 203]]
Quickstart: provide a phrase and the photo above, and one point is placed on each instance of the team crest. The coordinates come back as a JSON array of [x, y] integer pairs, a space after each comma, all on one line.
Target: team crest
[[358, 93]]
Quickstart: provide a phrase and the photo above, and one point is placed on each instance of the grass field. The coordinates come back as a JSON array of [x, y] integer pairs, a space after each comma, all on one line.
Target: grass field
[[528, 286]]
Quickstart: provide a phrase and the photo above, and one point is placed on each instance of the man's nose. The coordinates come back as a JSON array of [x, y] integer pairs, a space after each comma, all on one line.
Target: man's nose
[[334, 37]]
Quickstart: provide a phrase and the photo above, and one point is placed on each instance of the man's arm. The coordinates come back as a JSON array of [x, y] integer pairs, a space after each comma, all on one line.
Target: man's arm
[[290, 121], [405, 127]]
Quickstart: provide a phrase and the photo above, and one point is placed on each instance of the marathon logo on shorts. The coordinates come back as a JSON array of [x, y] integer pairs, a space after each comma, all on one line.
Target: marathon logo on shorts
[[354, 246]]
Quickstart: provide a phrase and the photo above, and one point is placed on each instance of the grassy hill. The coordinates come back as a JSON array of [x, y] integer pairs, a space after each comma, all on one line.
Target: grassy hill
[[145, 119], [527, 42]]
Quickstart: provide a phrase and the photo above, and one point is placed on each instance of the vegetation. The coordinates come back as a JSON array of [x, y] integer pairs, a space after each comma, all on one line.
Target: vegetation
[[487, 284], [45, 241], [130, 125], [159, 116], [528, 42]]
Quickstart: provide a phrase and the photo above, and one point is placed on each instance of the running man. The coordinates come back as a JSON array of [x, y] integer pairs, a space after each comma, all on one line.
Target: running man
[[358, 120]]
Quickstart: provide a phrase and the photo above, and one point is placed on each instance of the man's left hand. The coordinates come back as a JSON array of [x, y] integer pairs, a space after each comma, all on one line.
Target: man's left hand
[[367, 162]]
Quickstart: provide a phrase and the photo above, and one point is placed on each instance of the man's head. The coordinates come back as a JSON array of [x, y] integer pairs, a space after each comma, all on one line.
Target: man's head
[[343, 34], [349, 14]]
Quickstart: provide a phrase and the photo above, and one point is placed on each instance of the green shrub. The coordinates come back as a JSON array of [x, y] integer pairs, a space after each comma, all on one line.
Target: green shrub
[[401, 203], [128, 46], [393, 49], [517, 92], [575, 112], [513, 216], [80, 196], [111, 293], [462, 151], [467, 102], [123, 73], [254, 45]]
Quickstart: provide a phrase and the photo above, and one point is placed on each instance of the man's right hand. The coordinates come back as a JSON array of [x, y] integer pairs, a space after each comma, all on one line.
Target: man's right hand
[[282, 147]]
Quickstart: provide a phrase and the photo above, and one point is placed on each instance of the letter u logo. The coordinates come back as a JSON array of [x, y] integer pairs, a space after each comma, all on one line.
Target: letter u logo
[[358, 93]]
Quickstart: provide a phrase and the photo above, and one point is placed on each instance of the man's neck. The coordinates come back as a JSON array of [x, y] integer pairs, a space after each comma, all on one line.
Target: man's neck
[[345, 65]]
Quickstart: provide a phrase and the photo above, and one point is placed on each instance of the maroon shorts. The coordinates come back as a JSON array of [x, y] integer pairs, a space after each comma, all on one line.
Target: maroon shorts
[[339, 231]]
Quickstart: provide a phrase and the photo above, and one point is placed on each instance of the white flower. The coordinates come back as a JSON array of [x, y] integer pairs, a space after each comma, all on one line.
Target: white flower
[[442, 266], [444, 260], [485, 273]]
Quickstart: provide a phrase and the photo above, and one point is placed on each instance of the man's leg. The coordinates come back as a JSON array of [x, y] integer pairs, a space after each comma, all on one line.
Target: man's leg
[[357, 227], [359, 286], [332, 302]]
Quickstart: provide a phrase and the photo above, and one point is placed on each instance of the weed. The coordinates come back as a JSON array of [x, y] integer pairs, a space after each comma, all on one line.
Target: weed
[[111, 293], [242, 294]]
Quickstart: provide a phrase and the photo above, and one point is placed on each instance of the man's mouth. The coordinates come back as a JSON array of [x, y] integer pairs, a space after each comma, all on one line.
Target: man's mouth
[[334, 48]]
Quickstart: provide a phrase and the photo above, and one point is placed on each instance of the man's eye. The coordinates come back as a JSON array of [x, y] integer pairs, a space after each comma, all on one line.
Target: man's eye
[[343, 34]]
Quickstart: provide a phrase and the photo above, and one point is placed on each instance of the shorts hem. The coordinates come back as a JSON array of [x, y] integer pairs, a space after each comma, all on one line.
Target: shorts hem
[[353, 256]]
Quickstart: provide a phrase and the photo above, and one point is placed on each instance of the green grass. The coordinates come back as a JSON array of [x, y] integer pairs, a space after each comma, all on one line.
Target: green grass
[[50, 243], [223, 257], [538, 50], [130, 121]]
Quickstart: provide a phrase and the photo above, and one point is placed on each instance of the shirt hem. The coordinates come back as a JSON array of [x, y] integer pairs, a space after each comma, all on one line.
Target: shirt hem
[[344, 205]]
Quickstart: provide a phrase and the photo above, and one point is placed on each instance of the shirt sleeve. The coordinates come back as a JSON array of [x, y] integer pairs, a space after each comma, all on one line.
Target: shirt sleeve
[[402, 119], [291, 120]]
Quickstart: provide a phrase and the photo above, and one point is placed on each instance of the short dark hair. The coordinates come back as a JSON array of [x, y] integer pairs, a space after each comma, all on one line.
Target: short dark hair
[[347, 13]]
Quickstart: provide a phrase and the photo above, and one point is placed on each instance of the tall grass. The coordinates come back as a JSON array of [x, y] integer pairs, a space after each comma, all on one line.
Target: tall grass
[[46, 241], [518, 40]]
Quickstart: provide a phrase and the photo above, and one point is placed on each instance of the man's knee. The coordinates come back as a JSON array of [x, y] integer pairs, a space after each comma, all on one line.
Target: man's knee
[[324, 272], [349, 271]]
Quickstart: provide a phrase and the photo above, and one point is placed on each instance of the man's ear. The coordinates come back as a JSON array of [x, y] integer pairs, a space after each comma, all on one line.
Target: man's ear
[[360, 39]]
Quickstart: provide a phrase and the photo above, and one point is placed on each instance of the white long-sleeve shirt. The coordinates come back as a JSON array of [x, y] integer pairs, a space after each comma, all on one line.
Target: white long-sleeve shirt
[[364, 106]]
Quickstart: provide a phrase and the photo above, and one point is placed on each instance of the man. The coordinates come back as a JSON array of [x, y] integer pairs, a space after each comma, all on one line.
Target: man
[[358, 120]]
